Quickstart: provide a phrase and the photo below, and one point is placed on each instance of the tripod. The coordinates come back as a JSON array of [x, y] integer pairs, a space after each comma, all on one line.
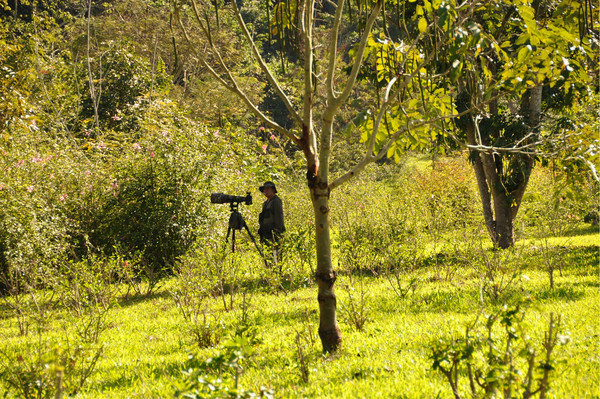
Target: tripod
[[237, 222]]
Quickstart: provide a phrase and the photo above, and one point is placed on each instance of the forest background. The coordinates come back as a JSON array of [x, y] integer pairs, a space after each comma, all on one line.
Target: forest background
[[116, 278]]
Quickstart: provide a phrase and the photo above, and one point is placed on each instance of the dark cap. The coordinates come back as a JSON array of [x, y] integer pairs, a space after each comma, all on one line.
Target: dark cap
[[267, 185]]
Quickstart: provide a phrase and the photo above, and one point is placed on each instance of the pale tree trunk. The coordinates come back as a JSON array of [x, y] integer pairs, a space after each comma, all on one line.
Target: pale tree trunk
[[329, 331]]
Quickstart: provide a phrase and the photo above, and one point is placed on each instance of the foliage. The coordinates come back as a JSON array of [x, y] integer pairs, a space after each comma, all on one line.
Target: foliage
[[49, 369], [491, 360], [228, 366]]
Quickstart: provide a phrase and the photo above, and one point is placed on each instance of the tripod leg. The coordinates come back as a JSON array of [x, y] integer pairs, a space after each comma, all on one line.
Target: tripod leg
[[233, 241], [256, 245]]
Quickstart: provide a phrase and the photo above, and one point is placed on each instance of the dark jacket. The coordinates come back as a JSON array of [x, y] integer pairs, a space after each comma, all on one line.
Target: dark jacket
[[271, 219]]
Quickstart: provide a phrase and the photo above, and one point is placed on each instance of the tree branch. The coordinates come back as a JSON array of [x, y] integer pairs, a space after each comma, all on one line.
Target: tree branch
[[333, 51], [233, 87], [338, 101], [263, 66]]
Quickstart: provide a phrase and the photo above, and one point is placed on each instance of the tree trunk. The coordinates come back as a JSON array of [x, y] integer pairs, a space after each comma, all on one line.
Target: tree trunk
[[329, 331], [500, 200]]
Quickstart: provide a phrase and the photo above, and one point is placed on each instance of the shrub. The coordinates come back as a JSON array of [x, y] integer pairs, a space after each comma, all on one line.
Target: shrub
[[446, 195], [493, 363]]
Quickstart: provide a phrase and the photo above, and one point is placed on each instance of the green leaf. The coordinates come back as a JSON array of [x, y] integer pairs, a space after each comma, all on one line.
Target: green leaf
[[422, 25], [524, 53]]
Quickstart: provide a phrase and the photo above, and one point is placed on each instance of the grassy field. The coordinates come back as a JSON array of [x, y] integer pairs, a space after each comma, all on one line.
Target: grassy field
[[147, 343]]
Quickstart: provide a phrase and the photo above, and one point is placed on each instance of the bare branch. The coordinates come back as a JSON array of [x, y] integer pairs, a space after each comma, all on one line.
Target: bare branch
[[263, 66], [233, 87], [358, 60], [333, 50]]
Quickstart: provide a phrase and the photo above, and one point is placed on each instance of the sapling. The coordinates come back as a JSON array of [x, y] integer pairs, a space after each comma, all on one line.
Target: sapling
[[189, 294], [498, 270], [356, 309], [490, 362]]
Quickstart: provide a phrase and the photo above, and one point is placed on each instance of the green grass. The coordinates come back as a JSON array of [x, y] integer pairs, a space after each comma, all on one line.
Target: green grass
[[148, 342]]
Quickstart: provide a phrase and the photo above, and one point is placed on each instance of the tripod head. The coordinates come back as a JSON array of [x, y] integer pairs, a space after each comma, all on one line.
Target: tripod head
[[236, 221]]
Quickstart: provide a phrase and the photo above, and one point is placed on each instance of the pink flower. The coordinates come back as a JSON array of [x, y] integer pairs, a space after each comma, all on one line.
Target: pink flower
[[273, 137], [87, 133], [262, 128], [137, 147], [152, 154], [165, 133], [63, 197], [264, 147], [87, 173], [115, 184], [51, 176], [2, 186], [116, 117], [30, 189]]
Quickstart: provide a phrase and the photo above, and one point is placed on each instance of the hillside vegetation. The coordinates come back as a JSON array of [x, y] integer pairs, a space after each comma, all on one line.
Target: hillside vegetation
[[117, 278]]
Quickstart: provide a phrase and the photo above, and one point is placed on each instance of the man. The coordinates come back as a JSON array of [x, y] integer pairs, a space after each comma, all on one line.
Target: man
[[271, 219]]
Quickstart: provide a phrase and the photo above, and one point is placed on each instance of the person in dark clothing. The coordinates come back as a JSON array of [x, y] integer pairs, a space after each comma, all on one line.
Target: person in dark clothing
[[270, 220]]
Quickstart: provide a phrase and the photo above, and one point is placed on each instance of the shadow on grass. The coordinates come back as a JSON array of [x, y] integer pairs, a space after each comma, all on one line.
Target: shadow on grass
[[582, 230], [562, 293], [136, 299], [582, 260], [130, 376]]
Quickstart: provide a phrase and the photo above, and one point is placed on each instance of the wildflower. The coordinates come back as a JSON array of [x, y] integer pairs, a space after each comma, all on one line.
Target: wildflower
[[137, 147], [116, 117], [30, 189], [262, 128], [87, 173], [165, 133], [2, 186], [63, 197], [273, 137], [152, 154], [264, 147]]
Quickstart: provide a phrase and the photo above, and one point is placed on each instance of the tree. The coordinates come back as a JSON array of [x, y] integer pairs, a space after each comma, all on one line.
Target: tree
[[537, 67], [409, 103], [403, 64]]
